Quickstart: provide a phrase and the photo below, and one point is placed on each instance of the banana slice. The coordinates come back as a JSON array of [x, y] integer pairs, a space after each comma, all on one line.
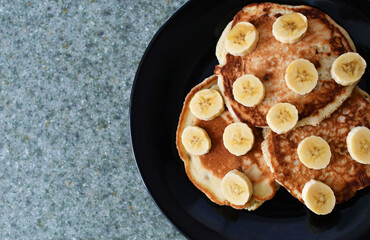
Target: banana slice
[[348, 68], [314, 152], [318, 197], [236, 187], [248, 90], [290, 28], [282, 117], [301, 76], [242, 39], [358, 144], [238, 138], [196, 140], [207, 104]]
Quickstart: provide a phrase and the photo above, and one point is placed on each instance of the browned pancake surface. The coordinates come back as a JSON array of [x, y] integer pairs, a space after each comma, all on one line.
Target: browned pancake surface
[[323, 42], [343, 174], [218, 161]]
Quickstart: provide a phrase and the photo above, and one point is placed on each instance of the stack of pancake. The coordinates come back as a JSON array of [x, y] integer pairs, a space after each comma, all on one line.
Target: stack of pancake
[[294, 116]]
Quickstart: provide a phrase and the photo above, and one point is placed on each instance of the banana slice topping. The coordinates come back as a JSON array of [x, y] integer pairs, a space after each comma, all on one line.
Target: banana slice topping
[[318, 197], [290, 28], [348, 68], [196, 140], [358, 144], [301, 76], [248, 90], [238, 138], [236, 187], [207, 104], [242, 39], [282, 117], [314, 152]]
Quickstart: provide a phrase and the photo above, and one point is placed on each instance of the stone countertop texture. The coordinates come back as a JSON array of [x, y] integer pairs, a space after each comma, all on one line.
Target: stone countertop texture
[[66, 166]]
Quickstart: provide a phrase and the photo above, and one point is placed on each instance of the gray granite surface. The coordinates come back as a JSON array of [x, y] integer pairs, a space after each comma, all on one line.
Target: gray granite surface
[[66, 166]]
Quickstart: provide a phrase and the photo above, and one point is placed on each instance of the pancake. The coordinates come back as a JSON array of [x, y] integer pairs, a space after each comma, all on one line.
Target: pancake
[[322, 44], [343, 174], [207, 171]]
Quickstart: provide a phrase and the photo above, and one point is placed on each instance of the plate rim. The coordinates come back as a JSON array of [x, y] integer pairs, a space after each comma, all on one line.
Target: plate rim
[[133, 90]]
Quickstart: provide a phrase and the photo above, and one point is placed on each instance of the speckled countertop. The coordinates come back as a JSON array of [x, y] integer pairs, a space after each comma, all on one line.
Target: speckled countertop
[[66, 166]]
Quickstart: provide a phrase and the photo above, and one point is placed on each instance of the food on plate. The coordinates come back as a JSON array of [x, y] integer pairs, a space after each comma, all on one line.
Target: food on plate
[[195, 140], [323, 42], [301, 76], [344, 175], [242, 39], [248, 90], [238, 138], [314, 152], [348, 68], [294, 116], [318, 197], [236, 187], [207, 104], [282, 117], [358, 144], [207, 171], [290, 28]]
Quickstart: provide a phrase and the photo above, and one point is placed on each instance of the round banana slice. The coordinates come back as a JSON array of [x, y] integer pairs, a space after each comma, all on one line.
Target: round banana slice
[[348, 68], [236, 187], [248, 90], [318, 197], [290, 28], [282, 117], [301, 76], [196, 140], [358, 144], [314, 152], [242, 39], [207, 104], [238, 138]]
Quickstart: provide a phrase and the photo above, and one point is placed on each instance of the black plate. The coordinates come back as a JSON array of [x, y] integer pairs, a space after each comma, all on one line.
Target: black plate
[[181, 55]]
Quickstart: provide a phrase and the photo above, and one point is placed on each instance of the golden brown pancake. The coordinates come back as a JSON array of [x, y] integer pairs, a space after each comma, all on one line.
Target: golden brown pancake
[[207, 171], [322, 44], [343, 174]]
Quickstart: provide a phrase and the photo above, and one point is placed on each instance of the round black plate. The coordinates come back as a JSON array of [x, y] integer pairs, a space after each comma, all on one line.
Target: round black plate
[[181, 55]]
